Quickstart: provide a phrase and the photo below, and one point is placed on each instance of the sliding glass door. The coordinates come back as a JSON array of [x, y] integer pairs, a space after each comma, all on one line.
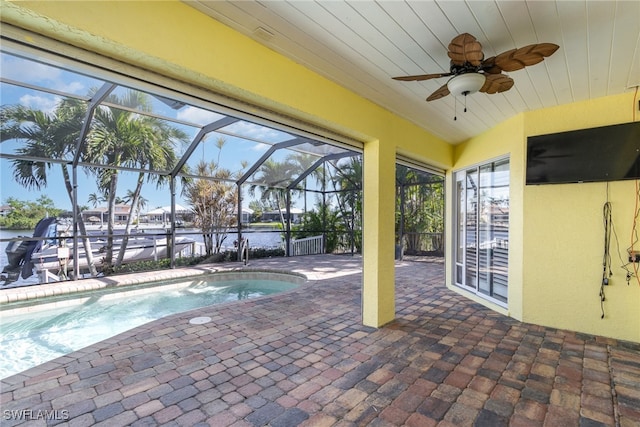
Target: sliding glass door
[[482, 229]]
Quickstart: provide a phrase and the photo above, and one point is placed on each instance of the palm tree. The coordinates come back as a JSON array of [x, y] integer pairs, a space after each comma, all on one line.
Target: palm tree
[[303, 162], [273, 175], [420, 208], [96, 199], [156, 153], [348, 179], [136, 207], [121, 138], [214, 201], [47, 136]]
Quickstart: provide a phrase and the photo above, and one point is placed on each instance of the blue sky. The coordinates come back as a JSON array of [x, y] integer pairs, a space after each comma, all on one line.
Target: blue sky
[[59, 82]]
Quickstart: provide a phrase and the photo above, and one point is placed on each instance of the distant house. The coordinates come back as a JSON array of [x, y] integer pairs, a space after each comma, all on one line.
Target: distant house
[[163, 215], [296, 215], [5, 210], [101, 215], [246, 215]]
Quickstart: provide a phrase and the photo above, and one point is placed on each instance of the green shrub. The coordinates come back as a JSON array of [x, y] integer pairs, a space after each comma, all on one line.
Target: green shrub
[[150, 265], [164, 264]]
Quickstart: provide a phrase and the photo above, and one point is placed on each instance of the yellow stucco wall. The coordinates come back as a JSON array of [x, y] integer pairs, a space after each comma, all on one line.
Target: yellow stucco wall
[[564, 236], [557, 232], [175, 40], [505, 140]]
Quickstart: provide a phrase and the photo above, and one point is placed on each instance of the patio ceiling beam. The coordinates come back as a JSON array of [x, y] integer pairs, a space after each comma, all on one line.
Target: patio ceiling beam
[[318, 162], [267, 154], [211, 127]]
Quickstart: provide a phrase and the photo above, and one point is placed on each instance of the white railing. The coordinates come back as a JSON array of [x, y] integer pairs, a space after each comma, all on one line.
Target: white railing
[[307, 246], [192, 250]]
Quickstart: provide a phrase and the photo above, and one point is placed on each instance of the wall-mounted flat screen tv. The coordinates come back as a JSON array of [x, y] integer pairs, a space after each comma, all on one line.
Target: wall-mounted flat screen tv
[[608, 153]]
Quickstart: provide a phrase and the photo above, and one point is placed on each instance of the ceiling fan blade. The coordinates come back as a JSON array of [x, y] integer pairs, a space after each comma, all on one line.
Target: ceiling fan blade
[[489, 66], [465, 48], [440, 93], [421, 77], [496, 83], [516, 59]]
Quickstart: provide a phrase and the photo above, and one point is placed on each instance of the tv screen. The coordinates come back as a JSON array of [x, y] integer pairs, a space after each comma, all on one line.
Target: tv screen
[[608, 153]]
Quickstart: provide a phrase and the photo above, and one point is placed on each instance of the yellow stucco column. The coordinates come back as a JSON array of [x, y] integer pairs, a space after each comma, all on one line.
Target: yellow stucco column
[[378, 292]]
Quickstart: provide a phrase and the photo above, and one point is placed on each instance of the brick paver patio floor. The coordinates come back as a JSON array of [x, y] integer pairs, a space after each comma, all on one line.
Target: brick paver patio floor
[[303, 358]]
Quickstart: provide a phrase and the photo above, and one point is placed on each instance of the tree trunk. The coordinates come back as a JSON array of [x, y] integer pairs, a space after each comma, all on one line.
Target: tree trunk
[[113, 185], [83, 229], [134, 203], [280, 212], [208, 243]]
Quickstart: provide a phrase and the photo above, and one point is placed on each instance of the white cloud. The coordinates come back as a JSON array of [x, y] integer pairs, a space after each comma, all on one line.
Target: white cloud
[[260, 147], [20, 69], [43, 103], [198, 115], [72, 87], [261, 133], [40, 74]]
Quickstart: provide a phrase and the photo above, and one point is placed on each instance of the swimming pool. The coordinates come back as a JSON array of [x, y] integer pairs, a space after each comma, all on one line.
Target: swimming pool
[[36, 333]]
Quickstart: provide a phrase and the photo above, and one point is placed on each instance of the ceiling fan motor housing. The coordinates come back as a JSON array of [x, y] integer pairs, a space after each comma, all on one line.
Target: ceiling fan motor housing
[[466, 84]]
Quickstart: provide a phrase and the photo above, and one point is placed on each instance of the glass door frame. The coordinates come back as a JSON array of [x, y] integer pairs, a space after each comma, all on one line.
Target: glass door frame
[[460, 230]]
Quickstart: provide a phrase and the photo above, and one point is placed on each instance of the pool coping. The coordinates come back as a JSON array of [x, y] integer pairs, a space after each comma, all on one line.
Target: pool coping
[[32, 293]]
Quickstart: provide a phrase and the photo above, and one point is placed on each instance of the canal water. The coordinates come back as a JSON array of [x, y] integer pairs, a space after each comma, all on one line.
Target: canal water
[[257, 239]]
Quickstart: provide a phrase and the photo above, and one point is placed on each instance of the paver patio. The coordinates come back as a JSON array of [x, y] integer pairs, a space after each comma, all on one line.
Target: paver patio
[[303, 358]]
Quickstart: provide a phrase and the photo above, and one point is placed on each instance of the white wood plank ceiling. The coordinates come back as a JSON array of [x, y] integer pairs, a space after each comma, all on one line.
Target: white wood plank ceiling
[[362, 44]]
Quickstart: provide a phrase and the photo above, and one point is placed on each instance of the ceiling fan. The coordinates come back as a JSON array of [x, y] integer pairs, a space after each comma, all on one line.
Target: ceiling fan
[[472, 73]]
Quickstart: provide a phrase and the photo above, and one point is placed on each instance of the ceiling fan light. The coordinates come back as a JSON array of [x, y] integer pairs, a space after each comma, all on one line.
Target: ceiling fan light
[[466, 84]]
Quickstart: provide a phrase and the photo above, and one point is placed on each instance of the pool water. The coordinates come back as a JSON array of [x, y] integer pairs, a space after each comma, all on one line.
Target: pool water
[[31, 338]]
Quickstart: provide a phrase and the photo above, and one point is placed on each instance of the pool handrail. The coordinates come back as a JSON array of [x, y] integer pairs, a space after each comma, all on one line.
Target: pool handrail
[[244, 251]]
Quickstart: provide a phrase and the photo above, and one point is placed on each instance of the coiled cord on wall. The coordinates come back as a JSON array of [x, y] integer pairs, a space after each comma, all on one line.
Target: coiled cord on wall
[[606, 259]]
